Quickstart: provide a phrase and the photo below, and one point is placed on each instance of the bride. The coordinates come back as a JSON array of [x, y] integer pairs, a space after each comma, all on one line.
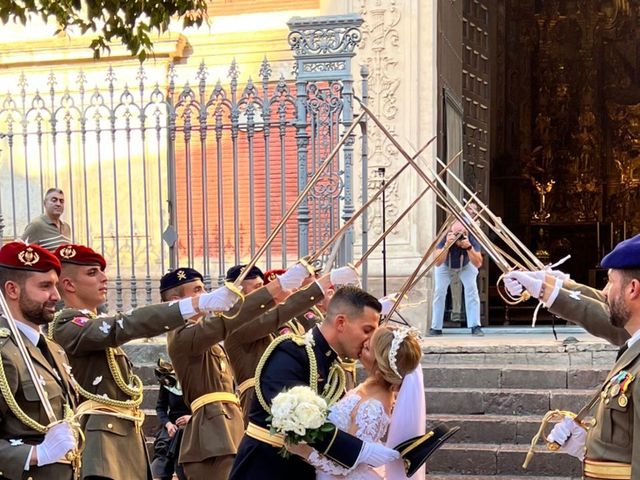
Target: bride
[[390, 399]]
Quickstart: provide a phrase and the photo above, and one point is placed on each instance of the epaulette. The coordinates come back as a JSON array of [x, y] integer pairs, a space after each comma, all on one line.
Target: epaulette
[[299, 341], [5, 333]]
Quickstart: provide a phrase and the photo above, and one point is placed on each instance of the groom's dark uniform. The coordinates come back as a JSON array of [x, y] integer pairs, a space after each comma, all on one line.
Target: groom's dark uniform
[[283, 367]]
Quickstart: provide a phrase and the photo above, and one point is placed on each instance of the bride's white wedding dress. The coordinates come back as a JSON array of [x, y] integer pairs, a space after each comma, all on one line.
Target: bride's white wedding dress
[[371, 421]]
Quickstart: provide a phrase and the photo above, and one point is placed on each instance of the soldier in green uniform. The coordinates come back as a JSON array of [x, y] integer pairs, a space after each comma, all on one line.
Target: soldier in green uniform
[[210, 440], [28, 448], [247, 344], [571, 301], [611, 447], [111, 392]]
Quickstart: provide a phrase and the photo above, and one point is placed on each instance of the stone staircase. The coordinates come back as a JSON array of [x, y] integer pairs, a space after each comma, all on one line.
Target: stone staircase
[[497, 394]]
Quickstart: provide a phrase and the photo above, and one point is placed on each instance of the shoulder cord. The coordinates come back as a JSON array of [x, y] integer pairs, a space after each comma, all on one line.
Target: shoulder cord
[[14, 406], [313, 370], [135, 391], [336, 381]]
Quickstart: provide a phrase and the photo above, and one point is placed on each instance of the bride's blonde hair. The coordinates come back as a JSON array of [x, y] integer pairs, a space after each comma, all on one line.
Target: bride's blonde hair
[[406, 358]]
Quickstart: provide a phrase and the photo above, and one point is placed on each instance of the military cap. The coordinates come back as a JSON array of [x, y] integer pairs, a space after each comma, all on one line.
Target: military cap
[[80, 255], [271, 275], [234, 272], [179, 276], [34, 258], [625, 256], [165, 374], [417, 450]]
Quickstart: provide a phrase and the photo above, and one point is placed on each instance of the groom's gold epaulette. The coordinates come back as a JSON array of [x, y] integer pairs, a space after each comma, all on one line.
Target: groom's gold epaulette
[[299, 341]]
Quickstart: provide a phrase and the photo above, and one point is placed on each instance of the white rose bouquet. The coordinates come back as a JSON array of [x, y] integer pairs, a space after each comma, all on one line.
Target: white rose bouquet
[[299, 414]]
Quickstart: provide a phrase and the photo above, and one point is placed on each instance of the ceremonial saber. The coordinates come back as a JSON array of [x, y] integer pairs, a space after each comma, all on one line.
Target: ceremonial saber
[[446, 249], [245, 271], [453, 205], [500, 227], [26, 358], [397, 220], [407, 284], [373, 198]]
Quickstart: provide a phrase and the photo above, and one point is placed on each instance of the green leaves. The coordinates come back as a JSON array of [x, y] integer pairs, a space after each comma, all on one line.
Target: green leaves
[[130, 22]]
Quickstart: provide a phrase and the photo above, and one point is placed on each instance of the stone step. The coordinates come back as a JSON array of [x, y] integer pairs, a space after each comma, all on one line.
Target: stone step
[[491, 429], [505, 401], [484, 459], [513, 376], [496, 477], [446, 476]]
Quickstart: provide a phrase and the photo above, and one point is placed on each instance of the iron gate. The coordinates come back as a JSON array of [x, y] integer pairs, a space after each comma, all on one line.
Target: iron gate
[[164, 174]]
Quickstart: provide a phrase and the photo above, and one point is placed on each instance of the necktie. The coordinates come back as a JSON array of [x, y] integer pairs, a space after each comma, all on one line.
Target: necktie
[[44, 349], [623, 349]]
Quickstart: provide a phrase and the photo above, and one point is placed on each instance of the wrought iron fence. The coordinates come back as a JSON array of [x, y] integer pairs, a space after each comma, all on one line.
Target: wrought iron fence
[[164, 174]]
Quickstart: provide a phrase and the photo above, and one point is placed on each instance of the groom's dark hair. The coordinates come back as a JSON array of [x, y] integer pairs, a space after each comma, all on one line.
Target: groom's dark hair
[[350, 300]]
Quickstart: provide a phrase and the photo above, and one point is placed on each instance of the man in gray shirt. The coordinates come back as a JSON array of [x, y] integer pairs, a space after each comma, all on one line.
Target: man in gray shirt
[[48, 230]]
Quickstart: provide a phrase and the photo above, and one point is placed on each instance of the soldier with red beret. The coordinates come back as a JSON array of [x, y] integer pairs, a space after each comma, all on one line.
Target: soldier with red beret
[[111, 392], [29, 448]]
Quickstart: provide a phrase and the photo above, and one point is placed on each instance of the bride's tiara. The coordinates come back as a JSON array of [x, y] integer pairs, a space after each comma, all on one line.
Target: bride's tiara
[[398, 337]]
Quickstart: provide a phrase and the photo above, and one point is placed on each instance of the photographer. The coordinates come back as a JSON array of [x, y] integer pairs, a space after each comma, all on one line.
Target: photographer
[[458, 254]]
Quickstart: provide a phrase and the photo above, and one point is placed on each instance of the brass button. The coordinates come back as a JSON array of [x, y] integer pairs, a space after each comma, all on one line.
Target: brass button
[[262, 306], [593, 422], [312, 298], [166, 327], [109, 425]]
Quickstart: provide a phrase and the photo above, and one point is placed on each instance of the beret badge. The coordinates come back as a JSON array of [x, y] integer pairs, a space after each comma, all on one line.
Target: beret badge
[[28, 257]]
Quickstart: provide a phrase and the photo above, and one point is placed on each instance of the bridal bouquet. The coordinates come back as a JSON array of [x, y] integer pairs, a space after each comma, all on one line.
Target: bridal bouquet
[[300, 414]]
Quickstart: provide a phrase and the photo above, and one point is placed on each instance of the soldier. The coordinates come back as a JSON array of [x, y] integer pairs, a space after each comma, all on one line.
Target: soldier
[[613, 441], [211, 438], [112, 393], [569, 300], [352, 318], [28, 277], [247, 344]]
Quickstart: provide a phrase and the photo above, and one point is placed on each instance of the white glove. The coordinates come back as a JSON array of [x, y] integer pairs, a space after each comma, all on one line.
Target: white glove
[[528, 280], [387, 303], [220, 300], [376, 455], [344, 276], [570, 436], [541, 274], [293, 277], [57, 442]]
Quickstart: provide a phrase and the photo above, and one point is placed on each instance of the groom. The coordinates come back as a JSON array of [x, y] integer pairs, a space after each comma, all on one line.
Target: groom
[[352, 317]]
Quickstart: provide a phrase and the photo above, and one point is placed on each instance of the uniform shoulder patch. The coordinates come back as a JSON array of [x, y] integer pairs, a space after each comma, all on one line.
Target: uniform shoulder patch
[[80, 321]]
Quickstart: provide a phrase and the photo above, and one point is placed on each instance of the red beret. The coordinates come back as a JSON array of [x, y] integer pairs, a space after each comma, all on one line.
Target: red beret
[[34, 258], [271, 275], [80, 255]]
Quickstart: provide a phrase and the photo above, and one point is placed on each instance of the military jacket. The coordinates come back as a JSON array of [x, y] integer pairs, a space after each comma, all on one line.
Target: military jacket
[[288, 365], [202, 366], [16, 438], [585, 306], [246, 345], [114, 447], [615, 437]]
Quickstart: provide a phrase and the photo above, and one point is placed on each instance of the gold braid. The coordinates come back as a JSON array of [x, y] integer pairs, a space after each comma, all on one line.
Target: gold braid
[[336, 381], [75, 455], [298, 340], [136, 391], [13, 405]]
